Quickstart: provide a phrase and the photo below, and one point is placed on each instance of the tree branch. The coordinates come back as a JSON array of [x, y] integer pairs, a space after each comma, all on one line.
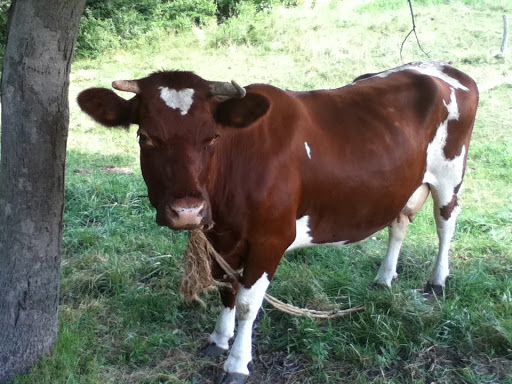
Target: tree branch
[[409, 34], [505, 34]]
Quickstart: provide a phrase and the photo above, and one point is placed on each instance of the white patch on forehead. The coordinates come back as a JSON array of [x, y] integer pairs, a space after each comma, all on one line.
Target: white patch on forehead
[[444, 174], [308, 150], [434, 69], [174, 99]]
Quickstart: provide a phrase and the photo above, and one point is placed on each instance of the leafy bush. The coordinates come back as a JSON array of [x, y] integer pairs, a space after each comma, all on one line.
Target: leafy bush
[[250, 27], [4, 6], [95, 36], [107, 24], [231, 8]]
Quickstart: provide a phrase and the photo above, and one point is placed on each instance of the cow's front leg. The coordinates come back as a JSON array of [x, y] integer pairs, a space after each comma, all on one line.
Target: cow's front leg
[[248, 303], [225, 327]]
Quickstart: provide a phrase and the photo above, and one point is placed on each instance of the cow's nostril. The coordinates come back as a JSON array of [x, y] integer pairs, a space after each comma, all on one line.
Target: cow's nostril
[[185, 213], [173, 213], [187, 210], [201, 211]]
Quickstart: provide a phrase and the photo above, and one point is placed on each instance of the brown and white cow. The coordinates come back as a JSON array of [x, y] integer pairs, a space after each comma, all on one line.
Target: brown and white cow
[[262, 170]]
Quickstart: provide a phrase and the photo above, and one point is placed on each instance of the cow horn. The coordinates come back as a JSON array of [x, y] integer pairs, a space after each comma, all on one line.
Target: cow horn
[[232, 90], [126, 86]]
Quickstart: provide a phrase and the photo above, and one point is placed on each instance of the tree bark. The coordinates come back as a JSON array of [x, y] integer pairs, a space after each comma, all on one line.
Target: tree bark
[[35, 119]]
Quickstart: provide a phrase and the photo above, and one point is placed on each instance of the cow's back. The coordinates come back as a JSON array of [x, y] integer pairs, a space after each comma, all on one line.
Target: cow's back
[[364, 147]]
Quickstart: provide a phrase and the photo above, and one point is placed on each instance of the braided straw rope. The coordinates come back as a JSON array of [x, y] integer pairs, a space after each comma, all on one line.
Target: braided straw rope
[[198, 256]]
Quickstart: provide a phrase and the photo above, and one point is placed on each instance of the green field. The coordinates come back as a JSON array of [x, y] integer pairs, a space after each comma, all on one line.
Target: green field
[[122, 320]]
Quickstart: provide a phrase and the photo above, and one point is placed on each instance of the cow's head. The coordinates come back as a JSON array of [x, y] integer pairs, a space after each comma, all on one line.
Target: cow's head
[[180, 118]]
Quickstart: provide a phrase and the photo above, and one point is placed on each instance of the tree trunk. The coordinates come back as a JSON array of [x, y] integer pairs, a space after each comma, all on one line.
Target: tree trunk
[[35, 119]]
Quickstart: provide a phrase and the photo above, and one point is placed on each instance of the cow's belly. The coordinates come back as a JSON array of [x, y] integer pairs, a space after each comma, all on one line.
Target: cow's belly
[[338, 232], [304, 239]]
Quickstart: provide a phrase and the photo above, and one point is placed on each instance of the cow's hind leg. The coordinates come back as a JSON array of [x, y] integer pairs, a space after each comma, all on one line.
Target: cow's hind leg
[[446, 219], [397, 232], [446, 162]]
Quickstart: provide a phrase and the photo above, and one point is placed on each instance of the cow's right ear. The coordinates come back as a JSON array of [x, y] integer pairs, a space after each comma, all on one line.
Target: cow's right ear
[[107, 108], [240, 113]]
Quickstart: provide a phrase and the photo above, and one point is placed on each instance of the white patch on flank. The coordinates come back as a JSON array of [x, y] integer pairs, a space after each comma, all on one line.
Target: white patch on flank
[[308, 150], [452, 108], [341, 243], [444, 174], [224, 329], [303, 237], [248, 303], [174, 99], [434, 69]]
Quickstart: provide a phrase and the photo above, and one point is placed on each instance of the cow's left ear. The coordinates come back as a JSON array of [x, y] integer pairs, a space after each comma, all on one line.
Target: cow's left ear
[[107, 108], [240, 113]]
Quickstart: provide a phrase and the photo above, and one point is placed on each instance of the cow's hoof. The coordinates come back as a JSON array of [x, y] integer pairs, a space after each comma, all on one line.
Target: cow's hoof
[[432, 289], [231, 378], [212, 350], [379, 285]]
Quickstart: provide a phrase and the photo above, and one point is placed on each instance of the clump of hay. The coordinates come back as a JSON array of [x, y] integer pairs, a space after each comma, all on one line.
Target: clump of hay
[[198, 279], [198, 274]]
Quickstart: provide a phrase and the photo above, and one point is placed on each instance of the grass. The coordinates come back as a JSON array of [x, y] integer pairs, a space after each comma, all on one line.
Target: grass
[[122, 320]]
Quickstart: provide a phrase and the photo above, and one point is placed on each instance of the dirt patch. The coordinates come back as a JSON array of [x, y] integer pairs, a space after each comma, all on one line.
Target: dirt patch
[[438, 364], [116, 170], [434, 364], [273, 367], [499, 368], [81, 171], [109, 169]]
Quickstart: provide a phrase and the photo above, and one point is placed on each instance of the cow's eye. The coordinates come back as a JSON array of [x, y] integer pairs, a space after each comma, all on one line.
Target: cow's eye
[[144, 140]]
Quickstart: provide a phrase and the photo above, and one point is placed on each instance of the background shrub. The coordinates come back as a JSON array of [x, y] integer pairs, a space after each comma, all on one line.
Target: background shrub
[[4, 7], [110, 24], [249, 27]]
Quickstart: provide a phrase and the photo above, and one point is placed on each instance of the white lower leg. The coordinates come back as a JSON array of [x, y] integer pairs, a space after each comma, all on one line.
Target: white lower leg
[[224, 329], [397, 232], [445, 232], [248, 304]]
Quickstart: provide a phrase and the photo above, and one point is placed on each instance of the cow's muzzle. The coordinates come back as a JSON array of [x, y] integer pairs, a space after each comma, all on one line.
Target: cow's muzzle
[[184, 213]]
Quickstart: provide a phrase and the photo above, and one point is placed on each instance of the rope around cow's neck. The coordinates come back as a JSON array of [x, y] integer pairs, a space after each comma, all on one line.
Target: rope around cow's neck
[[198, 255]]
